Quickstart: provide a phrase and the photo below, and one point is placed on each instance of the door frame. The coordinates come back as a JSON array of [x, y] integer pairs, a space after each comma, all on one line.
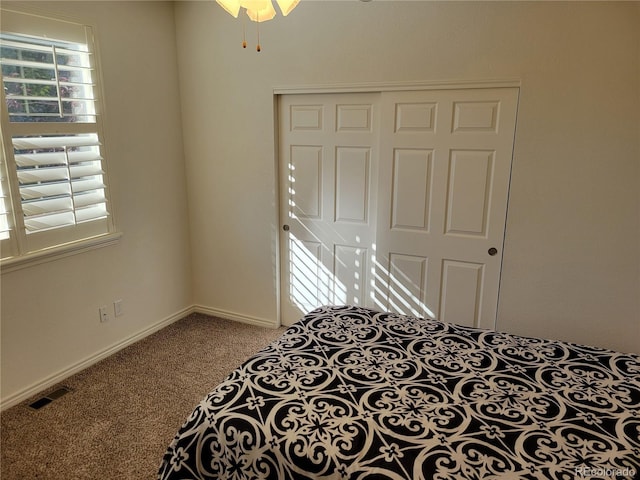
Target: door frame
[[374, 87]]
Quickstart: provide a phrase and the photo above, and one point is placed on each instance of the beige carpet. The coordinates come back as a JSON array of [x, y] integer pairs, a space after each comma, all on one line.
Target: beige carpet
[[123, 412]]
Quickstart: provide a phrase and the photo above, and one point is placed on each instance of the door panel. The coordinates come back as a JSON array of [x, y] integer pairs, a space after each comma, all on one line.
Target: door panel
[[328, 167], [452, 206], [309, 280], [470, 175], [305, 194], [461, 293], [411, 186], [350, 269], [352, 184], [407, 291]]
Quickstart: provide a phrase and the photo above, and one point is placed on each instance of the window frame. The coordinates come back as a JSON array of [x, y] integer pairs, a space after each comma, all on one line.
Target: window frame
[[22, 249]]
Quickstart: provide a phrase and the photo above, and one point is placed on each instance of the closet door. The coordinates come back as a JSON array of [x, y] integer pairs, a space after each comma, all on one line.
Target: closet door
[[328, 165], [445, 163], [395, 200]]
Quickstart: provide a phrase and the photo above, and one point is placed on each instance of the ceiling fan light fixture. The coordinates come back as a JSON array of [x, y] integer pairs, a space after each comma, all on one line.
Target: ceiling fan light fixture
[[258, 11], [231, 6], [286, 6]]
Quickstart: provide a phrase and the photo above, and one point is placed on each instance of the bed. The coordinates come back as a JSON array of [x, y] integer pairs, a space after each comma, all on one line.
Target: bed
[[352, 393]]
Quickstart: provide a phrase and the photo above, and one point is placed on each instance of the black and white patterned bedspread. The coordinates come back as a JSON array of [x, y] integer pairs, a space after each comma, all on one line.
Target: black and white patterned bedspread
[[351, 393]]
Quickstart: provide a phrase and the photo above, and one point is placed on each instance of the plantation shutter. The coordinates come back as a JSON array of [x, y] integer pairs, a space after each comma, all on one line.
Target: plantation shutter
[[61, 180], [4, 203], [52, 134]]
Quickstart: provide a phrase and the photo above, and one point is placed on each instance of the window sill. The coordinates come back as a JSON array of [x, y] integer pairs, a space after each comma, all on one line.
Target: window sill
[[55, 253]]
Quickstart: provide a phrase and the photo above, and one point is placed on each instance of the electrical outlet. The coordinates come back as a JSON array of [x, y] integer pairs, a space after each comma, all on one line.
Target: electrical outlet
[[104, 314], [118, 309]]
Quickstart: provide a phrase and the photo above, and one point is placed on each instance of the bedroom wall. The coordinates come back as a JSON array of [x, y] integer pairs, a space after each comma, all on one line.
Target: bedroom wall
[[571, 260], [49, 313]]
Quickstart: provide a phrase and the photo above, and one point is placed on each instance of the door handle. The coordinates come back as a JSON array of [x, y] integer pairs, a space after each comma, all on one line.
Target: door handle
[[492, 251], [285, 228]]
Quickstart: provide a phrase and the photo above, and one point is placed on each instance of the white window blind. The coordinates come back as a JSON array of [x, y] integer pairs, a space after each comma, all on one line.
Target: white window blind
[[4, 202], [52, 138], [61, 180]]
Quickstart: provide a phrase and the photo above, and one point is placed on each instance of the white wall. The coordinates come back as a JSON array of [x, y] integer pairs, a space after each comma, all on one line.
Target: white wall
[[572, 258], [50, 312]]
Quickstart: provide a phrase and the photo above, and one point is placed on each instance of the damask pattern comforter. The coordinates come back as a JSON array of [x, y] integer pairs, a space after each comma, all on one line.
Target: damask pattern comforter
[[352, 393]]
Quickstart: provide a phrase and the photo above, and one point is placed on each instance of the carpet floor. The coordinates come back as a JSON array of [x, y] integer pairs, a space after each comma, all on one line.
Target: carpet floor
[[121, 413]]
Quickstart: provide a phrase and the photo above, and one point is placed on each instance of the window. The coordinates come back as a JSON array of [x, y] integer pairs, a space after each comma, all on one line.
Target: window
[[53, 188]]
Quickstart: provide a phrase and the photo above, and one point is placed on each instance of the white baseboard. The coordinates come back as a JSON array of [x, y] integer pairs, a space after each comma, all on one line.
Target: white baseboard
[[238, 317], [58, 377]]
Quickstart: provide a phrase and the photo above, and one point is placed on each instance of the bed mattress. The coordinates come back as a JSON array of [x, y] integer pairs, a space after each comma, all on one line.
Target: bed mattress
[[353, 393]]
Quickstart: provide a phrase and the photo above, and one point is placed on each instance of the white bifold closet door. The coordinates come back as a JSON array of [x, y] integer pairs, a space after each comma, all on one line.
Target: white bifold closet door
[[395, 200]]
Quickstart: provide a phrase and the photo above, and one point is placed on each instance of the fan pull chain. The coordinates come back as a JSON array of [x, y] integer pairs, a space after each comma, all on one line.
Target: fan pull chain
[[244, 34], [258, 30]]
